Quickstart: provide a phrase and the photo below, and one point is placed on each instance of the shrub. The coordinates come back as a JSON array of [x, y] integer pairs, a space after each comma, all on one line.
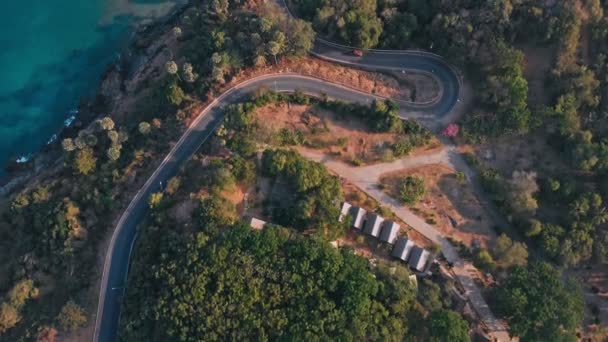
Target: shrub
[[72, 316], [411, 190], [484, 261], [155, 200], [402, 147], [85, 161], [9, 317]]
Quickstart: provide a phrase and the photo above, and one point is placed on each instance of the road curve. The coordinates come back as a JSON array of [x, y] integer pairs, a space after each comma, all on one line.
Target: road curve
[[116, 263]]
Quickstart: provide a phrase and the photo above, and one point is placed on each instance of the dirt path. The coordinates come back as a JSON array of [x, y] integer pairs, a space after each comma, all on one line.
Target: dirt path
[[367, 179]]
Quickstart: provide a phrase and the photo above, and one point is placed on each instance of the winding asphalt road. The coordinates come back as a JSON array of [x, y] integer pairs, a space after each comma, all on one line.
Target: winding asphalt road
[[116, 263]]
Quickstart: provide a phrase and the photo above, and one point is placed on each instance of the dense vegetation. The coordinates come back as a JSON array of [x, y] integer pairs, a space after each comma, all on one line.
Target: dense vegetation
[[538, 306], [218, 279], [479, 36], [316, 193], [51, 231], [268, 285], [561, 212]]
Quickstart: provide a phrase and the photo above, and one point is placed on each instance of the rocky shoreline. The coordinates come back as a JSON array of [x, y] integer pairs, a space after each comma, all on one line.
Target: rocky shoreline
[[109, 92]]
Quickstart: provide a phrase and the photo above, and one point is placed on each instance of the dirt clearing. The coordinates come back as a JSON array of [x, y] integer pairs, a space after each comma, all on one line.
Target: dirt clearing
[[346, 139], [448, 204]]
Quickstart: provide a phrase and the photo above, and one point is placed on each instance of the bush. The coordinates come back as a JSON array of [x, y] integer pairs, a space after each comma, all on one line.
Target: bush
[[72, 316], [85, 161], [9, 317], [155, 200], [411, 190], [484, 261], [447, 325], [174, 94], [402, 147]]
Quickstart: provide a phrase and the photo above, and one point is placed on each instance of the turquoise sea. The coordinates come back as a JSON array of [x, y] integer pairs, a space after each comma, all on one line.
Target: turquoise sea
[[52, 53]]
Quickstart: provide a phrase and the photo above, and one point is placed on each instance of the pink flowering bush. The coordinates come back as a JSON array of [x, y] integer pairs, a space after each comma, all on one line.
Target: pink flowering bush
[[451, 130]]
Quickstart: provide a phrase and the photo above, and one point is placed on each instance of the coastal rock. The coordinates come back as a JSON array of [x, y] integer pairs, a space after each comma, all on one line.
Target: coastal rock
[[111, 86]]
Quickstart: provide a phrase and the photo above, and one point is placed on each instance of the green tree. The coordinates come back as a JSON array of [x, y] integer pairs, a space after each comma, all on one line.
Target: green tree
[[68, 145], [274, 48], [399, 30], [174, 94], [171, 68], [173, 185], [9, 317], [291, 287], [538, 306], [215, 212], [21, 292], [300, 37], [85, 161], [144, 128], [431, 296], [106, 123], [114, 152], [411, 189], [188, 73], [155, 200], [448, 326], [72, 316], [509, 253], [41, 194], [21, 201], [113, 136], [484, 261]]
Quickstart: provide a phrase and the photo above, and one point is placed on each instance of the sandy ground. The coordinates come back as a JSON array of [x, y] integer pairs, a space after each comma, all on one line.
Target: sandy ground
[[347, 139], [531, 152], [448, 204]]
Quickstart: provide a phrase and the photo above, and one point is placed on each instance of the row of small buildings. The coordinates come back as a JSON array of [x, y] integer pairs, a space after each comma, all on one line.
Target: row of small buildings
[[387, 231]]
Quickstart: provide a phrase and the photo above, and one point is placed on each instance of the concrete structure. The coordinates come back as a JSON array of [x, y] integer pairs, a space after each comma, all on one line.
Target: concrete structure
[[358, 215], [344, 210], [373, 225], [390, 231], [419, 260], [256, 223], [402, 249]]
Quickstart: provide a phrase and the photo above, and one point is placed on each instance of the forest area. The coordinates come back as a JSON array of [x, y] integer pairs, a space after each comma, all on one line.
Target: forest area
[[218, 279], [482, 37], [211, 276], [560, 212], [51, 229]]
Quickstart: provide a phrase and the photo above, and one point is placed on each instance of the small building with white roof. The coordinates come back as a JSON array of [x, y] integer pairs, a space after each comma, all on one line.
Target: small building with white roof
[[344, 210], [402, 249], [358, 215], [373, 225], [256, 223], [419, 260], [390, 231]]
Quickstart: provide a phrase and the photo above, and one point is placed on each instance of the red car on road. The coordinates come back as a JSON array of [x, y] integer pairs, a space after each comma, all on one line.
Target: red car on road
[[357, 52]]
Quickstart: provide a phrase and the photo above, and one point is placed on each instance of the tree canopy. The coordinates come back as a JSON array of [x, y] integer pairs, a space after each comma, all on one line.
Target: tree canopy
[[537, 305], [262, 285]]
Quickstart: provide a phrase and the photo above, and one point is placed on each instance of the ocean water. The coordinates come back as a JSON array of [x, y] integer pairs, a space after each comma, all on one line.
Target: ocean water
[[52, 53]]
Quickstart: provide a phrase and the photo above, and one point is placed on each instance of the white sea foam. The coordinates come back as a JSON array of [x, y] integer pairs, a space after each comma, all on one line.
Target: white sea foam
[[67, 122], [23, 159], [52, 139]]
